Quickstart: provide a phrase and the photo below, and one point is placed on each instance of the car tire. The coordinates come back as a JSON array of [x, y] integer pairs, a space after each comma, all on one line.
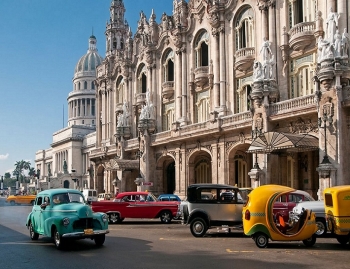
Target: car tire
[[58, 240], [99, 239], [321, 227], [114, 218], [310, 241], [165, 216], [343, 239], [198, 227], [261, 240], [32, 233], [12, 202]]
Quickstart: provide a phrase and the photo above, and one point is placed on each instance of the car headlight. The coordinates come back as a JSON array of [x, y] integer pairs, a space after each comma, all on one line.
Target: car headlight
[[104, 218], [65, 221]]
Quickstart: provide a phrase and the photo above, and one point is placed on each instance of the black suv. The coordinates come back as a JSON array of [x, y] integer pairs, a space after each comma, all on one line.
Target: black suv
[[212, 205]]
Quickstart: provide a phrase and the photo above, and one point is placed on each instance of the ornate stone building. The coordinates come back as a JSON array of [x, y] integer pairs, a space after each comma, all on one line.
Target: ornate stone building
[[245, 92]]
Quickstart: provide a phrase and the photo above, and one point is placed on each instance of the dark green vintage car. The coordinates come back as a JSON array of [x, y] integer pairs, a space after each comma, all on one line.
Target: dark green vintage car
[[64, 215]]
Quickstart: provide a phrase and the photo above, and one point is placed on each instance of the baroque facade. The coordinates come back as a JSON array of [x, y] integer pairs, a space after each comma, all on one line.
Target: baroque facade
[[240, 92], [245, 92]]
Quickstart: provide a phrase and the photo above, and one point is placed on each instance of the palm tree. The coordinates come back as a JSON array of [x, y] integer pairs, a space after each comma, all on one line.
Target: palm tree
[[19, 167], [31, 172]]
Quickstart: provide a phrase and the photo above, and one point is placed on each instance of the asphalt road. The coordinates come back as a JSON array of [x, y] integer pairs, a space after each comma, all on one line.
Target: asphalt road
[[150, 244]]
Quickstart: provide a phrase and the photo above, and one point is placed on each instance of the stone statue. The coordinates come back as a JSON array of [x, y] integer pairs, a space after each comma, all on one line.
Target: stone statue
[[257, 71], [345, 43], [324, 49], [332, 25], [266, 50], [337, 43]]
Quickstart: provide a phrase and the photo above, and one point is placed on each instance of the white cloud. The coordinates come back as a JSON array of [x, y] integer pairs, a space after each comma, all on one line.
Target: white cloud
[[4, 157]]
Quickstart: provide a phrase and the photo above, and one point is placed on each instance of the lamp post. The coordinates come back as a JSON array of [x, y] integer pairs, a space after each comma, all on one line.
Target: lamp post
[[2, 185], [139, 155], [17, 182], [326, 118]]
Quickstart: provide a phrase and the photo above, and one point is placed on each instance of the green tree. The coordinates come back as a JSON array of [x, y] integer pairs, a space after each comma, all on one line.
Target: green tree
[[7, 175], [20, 166], [31, 172]]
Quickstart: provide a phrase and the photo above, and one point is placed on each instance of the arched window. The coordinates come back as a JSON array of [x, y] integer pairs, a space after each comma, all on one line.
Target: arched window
[[245, 29], [120, 90], [168, 66], [241, 171], [142, 79], [301, 11], [85, 85], [242, 94], [203, 171], [92, 85], [79, 86], [203, 107], [168, 116], [202, 50], [301, 74]]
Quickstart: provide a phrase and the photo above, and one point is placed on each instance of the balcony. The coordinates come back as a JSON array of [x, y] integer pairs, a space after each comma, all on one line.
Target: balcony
[[302, 36], [140, 99], [168, 89], [244, 59], [201, 76]]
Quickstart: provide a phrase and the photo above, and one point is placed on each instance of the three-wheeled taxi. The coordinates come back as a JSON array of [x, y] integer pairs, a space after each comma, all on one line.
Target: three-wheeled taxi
[[337, 209], [262, 224]]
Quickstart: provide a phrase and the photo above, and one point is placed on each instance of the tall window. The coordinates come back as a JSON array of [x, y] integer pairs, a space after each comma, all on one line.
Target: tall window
[[203, 172], [168, 116], [241, 171], [85, 85], [203, 107], [302, 11], [202, 50], [168, 66], [93, 107], [92, 85], [245, 29], [120, 90], [301, 74], [142, 79], [242, 94]]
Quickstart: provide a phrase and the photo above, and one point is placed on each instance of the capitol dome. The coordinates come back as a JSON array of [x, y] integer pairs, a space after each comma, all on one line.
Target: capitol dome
[[89, 61]]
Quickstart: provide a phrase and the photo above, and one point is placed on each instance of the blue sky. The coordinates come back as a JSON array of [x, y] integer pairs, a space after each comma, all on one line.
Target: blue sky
[[40, 43]]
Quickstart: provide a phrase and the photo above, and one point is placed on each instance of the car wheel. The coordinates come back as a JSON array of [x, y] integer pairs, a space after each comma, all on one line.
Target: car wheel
[[165, 216], [261, 240], [33, 234], [12, 203], [310, 241], [198, 227], [114, 218], [99, 239], [343, 239], [58, 240], [321, 227]]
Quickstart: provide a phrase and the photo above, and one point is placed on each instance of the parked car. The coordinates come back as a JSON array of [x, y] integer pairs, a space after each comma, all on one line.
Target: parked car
[[285, 203], [318, 208], [63, 214], [173, 197], [21, 199], [137, 205], [90, 195], [104, 196], [212, 205]]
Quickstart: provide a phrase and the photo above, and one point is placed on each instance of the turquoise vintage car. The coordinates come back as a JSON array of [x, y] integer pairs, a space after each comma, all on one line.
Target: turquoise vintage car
[[64, 215]]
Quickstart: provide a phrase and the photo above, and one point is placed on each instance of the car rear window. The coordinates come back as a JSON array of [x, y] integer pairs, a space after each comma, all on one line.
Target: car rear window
[[328, 199]]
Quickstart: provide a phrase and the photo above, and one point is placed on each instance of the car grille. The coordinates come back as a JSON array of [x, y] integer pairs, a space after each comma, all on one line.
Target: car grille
[[86, 223]]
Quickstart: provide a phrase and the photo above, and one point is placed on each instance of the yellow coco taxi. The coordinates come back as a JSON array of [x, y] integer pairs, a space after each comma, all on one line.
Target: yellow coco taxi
[[337, 209], [262, 224], [21, 199]]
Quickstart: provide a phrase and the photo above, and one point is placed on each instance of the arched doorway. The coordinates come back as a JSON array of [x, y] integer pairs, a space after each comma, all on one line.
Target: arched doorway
[[66, 184], [170, 176]]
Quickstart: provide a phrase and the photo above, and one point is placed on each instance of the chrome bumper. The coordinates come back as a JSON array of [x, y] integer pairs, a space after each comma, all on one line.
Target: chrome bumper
[[84, 235]]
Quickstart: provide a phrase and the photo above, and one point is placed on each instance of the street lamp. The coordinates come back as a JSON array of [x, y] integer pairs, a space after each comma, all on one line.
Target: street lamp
[[2, 185], [49, 174], [326, 118], [139, 179]]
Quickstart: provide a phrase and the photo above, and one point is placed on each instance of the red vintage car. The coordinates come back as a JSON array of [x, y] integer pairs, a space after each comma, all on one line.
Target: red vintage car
[[137, 205]]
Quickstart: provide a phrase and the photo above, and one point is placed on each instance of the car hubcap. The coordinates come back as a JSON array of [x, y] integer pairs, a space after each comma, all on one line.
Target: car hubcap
[[198, 227], [320, 228], [57, 239], [261, 240]]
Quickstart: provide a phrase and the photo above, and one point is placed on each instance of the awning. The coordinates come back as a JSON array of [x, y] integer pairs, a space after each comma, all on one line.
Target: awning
[[273, 142], [121, 164]]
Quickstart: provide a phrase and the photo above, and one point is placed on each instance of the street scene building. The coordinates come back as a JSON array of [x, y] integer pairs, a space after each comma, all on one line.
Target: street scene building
[[240, 92]]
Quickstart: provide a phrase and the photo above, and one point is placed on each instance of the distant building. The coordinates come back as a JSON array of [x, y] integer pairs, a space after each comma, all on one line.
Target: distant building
[[67, 158]]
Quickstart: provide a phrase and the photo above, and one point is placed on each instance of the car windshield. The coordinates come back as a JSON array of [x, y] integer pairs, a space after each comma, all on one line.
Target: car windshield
[[65, 198]]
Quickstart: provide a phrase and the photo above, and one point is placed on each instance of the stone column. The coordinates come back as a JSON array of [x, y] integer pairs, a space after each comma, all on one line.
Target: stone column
[[216, 70], [182, 167], [178, 75], [214, 165], [184, 86], [264, 21], [222, 71], [272, 32], [342, 23]]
